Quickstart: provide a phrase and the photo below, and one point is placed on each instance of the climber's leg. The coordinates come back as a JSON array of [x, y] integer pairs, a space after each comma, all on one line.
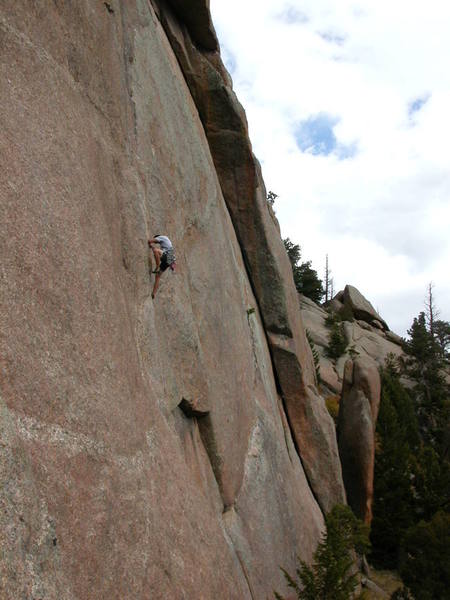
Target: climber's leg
[[156, 284], [157, 252]]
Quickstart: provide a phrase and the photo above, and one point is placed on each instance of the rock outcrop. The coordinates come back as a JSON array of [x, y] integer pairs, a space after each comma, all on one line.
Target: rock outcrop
[[353, 381], [358, 412], [355, 303], [169, 449], [364, 340]]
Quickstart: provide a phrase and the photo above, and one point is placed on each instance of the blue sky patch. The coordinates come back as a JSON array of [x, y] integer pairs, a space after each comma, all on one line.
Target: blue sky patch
[[332, 37], [416, 104], [292, 15], [316, 136], [344, 151]]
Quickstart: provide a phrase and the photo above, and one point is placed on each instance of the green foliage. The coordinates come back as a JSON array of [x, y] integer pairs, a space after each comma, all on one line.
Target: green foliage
[[420, 344], [441, 331], [396, 439], [315, 354], [271, 197], [308, 282], [306, 279], [425, 559], [402, 594], [330, 577], [431, 392], [393, 364], [431, 479], [294, 252], [412, 467], [331, 318], [337, 340]]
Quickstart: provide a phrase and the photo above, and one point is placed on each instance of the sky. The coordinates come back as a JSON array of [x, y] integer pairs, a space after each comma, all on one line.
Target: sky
[[348, 107]]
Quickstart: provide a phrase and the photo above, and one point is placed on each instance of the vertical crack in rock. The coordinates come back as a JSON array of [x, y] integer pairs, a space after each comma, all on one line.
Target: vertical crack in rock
[[268, 268], [128, 59], [229, 520], [206, 428], [193, 409], [246, 575], [228, 516]]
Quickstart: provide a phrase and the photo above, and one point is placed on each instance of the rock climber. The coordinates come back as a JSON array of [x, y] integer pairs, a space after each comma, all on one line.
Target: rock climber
[[164, 257]]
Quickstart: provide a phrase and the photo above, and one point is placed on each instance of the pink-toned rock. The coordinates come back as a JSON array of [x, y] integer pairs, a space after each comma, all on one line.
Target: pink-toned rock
[[363, 340], [361, 308], [266, 260], [358, 412], [312, 426], [194, 408], [108, 490], [328, 376]]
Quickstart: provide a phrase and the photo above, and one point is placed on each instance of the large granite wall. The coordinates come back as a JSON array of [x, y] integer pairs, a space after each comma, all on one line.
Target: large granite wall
[[108, 490]]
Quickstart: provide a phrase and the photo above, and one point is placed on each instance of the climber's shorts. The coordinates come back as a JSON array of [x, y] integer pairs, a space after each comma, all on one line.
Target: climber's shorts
[[167, 259]]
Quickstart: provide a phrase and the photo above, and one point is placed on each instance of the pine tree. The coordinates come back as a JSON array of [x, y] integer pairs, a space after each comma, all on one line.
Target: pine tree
[[425, 366], [442, 337], [337, 340], [397, 438], [309, 283], [425, 561], [306, 279], [293, 251], [430, 308], [328, 281], [331, 575], [412, 467]]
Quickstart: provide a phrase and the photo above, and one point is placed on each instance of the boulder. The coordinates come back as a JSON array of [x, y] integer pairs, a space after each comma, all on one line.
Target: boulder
[[394, 338], [358, 412], [361, 308], [364, 325]]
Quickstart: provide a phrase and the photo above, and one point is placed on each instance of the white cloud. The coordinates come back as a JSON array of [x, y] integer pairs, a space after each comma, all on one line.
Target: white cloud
[[378, 75]]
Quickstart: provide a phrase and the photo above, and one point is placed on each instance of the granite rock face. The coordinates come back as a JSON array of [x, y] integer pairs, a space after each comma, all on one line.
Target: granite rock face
[[265, 258], [358, 413], [360, 307], [364, 340], [354, 380], [175, 448]]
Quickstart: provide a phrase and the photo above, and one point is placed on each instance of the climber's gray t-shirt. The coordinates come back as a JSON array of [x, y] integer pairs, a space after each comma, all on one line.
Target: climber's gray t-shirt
[[164, 242]]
